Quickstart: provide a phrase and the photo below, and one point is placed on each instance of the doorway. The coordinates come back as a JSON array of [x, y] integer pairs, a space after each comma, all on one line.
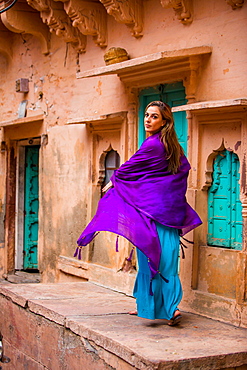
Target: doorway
[[27, 204]]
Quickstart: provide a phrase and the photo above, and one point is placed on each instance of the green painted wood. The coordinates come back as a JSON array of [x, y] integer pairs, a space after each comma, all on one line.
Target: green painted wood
[[224, 206], [31, 208], [172, 94]]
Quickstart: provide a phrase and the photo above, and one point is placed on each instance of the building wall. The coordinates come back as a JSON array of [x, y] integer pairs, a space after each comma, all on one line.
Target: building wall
[[79, 119]]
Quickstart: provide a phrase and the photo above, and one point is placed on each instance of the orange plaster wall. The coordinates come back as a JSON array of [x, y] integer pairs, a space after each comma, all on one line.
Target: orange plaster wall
[[65, 159]]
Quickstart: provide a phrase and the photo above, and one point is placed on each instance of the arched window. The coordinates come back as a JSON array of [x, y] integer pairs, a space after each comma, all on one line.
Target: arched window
[[112, 162], [224, 206]]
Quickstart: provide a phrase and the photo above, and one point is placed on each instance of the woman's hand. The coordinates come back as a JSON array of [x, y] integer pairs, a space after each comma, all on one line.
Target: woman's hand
[[107, 187]]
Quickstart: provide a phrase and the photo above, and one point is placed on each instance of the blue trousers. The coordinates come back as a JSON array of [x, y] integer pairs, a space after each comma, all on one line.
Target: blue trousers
[[166, 296]]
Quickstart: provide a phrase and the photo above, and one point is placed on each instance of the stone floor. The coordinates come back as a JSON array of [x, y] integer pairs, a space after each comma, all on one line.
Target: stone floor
[[22, 277], [84, 326]]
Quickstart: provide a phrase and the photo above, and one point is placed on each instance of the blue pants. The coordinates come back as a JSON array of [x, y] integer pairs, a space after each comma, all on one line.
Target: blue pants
[[166, 296]]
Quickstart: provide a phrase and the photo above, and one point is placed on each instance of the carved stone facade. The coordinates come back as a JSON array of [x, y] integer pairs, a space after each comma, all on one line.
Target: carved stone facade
[[57, 20], [89, 18]]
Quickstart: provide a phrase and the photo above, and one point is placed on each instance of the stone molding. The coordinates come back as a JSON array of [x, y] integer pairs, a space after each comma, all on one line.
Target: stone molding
[[238, 104], [89, 18], [129, 12], [54, 16], [21, 121], [235, 4], [182, 8]]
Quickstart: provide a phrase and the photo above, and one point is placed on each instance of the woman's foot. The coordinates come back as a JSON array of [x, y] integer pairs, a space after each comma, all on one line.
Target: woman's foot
[[134, 312], [176, 319]]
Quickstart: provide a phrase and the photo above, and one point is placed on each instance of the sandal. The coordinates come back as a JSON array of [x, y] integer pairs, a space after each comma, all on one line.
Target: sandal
[[175, 320]]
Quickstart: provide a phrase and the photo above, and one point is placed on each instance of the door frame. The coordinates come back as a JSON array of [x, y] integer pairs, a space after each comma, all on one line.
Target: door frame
[[19, 214]]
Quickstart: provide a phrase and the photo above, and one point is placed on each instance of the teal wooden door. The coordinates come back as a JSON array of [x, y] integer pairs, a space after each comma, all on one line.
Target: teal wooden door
[[31, 208], [224, 206], [173, 95]]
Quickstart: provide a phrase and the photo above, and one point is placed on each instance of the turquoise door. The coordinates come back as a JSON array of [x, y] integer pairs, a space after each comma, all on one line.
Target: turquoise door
[[31, 208], [224, 206], [172, 94]]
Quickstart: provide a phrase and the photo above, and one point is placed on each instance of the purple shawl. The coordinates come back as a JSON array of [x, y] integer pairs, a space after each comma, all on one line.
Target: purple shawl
[[144, 191]]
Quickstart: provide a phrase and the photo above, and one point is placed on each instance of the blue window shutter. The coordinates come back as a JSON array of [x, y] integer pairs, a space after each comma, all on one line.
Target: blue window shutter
[[224, 206]]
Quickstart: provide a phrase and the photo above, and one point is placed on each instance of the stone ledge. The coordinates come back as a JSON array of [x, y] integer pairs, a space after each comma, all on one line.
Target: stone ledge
[[234, 104], [20, 121], [99, 332], [116, 280], [147, 61]]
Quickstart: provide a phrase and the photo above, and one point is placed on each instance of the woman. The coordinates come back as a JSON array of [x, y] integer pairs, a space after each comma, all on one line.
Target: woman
[[147, 205]]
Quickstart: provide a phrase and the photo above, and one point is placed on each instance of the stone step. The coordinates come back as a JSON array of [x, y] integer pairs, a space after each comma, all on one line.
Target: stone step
[[84, 326]]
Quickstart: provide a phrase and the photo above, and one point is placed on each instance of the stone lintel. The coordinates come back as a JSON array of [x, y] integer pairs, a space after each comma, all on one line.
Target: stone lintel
[[160, 67], [162, 58], [104, 119], [229, 104], [20, 121]]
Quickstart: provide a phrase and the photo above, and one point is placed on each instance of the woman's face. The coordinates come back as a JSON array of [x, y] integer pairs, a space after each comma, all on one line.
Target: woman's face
[[153, 120]]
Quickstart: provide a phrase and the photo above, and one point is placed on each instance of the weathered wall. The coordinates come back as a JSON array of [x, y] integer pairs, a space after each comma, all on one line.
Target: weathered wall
[[70, 153]]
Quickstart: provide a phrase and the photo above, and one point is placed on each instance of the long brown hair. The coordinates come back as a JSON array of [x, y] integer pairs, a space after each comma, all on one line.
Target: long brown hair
[[169, 136]]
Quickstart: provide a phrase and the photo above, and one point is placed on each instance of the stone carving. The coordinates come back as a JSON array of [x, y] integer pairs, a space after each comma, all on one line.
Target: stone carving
[[182, 8], [58, 22], [191, 81], [89, 17], [129, 12], [235, 4]]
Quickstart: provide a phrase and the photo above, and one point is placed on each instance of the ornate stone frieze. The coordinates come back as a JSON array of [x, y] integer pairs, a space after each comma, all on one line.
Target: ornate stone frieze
[[58, 22], [235, 4], [129, 12], [182, 8], [89, 17]]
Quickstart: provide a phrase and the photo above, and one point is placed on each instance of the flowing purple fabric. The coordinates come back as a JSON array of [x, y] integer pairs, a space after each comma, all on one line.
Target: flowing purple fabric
[[144, 191]]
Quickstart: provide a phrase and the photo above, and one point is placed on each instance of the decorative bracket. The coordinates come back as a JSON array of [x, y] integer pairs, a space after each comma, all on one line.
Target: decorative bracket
[[25, 21], [235, 4], [191, 81], [129, 12], [182, 8], [89, 17], [58, 22]]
